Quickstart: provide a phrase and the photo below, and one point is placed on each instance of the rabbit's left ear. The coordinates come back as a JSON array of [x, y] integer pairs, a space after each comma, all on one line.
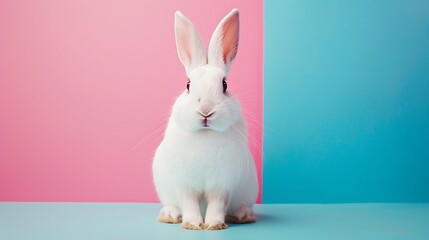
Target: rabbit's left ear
[[224, 42], [189, 44]]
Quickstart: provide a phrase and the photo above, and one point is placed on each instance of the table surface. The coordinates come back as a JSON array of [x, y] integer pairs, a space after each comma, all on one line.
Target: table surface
[[278, 221]]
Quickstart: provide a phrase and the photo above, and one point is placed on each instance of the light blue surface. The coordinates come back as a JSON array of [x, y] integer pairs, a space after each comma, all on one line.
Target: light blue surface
[[346, 101], [49, 221]]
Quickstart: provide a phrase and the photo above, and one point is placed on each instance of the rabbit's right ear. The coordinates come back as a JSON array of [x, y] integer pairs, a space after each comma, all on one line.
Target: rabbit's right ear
[[189, 44]]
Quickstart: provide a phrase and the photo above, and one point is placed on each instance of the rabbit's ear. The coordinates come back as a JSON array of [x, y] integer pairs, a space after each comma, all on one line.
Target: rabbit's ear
[[224, 42], [189, 45]]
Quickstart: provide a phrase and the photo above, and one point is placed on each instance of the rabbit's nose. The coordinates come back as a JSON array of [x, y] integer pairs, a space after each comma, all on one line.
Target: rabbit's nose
[[206, 115], [206, 110]]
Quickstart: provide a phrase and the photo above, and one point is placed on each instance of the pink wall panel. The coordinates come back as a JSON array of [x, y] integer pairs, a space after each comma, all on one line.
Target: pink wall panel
[[86, 88]]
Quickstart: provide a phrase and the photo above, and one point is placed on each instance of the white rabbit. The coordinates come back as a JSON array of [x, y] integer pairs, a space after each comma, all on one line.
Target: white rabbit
[[204, 158]]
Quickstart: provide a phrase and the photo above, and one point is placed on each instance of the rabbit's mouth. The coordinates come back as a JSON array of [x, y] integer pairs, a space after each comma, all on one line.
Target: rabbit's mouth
[[205, 119], [205, 122]]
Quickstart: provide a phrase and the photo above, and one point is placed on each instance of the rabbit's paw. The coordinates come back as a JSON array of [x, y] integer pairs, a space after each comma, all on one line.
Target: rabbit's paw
[[170, 214], [193, 223], [242, 215]]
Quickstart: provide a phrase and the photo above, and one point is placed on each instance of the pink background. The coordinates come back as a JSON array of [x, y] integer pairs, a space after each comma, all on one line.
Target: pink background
[[86, 88]]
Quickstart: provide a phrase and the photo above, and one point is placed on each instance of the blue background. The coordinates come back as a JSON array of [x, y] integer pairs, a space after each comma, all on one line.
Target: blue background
[[346, 105]]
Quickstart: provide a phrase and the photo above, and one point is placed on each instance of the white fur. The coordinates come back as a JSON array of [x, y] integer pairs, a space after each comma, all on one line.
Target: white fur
[[197, 166]]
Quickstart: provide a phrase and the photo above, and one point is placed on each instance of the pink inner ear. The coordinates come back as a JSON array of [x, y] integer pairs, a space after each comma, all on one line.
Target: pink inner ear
[[184, 43], [230, 33], [186, 49]]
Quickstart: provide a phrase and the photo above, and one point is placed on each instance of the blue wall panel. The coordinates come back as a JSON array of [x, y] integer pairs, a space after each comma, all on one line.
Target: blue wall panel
[[346, 101]]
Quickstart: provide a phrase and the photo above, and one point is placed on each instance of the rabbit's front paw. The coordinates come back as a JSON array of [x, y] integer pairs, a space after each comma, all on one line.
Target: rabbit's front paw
[[216, 226], [193, 223], [215, 222]]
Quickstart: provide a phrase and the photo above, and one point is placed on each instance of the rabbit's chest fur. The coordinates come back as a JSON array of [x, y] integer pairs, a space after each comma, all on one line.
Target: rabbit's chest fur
[[201, 161]]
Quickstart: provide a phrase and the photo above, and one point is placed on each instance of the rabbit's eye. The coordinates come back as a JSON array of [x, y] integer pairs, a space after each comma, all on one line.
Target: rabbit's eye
[[187, 85], [225, 86]]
